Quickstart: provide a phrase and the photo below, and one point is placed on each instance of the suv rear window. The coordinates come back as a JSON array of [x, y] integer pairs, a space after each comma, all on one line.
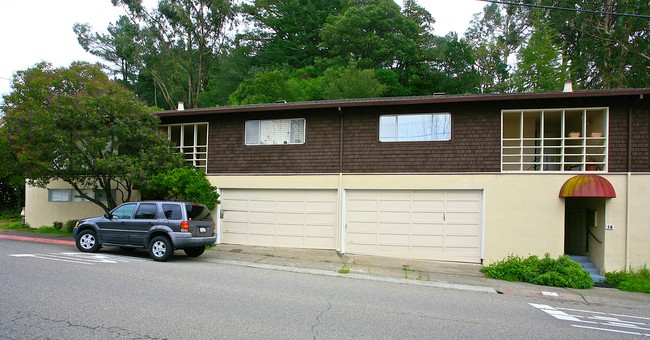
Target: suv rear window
[[198, 212]]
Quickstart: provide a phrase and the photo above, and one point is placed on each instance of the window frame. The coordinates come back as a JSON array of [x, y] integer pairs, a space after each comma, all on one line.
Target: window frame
[[198, 155], [555, 140], [259, 122], [74, 197], [395, 137]]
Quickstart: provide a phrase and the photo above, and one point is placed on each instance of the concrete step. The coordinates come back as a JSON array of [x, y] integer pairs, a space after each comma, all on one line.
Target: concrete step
[[589, 266]]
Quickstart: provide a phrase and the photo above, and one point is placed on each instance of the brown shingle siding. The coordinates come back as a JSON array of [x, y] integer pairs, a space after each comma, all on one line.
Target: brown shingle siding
[[475, 144]]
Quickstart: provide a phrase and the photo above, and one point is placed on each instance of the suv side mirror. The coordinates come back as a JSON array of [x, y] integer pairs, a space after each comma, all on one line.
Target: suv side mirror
[[108, 215]]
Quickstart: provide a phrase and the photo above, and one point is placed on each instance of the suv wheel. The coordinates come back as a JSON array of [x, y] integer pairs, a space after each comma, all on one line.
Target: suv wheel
[[160, 248], [87, 241], [194, 251]]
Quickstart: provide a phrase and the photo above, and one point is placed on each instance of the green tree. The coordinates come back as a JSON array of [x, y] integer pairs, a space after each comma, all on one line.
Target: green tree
[[76, 125], [121, 47], [181, 183], [264, 87], [286, 33], [178, 42], [455, 66], [351, 82], [12, 181], [539, 66]]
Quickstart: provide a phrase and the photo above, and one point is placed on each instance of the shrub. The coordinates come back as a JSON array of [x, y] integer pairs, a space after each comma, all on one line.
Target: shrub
[[69, 225], [57, 225], [631, 280], [562, 272]]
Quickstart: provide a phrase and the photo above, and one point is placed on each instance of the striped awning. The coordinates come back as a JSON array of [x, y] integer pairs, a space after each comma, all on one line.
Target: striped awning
[[587, 185]]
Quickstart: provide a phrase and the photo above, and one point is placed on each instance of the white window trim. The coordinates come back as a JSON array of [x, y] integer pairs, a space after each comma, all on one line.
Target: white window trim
[[259, 132], [568, 160], [197, 157], [433, 133]]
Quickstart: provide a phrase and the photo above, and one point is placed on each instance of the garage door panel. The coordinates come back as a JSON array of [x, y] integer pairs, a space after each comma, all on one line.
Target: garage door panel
[[394, 205], [358, 216], [320, 207], [424, 206], [419, 224], [394, 239], [427, 240], [280, 217], [362, 238], [392, 228], [393, 216], [428, 229], [289, 229], [427, 217], [290, 217], [361, 227], [260, 217]]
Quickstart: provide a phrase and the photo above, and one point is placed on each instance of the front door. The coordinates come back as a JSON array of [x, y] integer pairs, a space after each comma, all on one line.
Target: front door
[[576, 240]]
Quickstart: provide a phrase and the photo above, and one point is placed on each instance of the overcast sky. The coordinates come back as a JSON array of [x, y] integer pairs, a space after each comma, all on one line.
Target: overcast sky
[[32, 31]]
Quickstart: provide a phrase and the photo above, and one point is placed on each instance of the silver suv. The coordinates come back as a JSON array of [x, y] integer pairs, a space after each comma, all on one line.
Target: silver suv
[[160, 226]]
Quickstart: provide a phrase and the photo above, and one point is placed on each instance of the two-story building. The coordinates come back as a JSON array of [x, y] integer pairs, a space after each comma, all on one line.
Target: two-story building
[[469, 178]]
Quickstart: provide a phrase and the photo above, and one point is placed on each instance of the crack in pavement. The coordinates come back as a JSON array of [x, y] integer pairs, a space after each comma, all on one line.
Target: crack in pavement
[[313, 328]]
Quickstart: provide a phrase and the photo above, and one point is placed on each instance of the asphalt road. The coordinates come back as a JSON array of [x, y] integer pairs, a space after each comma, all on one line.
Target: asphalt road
[[52, 291]]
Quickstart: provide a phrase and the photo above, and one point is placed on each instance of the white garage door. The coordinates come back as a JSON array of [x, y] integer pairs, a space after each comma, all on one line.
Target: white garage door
[[279, 218], [415, 224]]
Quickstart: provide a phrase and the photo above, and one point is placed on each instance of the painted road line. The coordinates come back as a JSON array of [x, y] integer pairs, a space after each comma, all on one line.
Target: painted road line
[[82, 258], [608, 322], [37, 239]]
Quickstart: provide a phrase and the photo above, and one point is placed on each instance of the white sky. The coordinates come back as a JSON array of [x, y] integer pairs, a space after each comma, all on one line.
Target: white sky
[[32, 31]]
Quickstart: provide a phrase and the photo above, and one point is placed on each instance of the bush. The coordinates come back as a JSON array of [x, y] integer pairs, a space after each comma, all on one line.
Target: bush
[[562, 272], [631, 280], [57, 225], [69, 225], [9, 214]]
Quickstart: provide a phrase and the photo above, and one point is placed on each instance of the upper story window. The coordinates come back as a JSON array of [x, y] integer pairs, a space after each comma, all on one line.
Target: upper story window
[[554, 140], [192, 141], [415, 127], [275, 131]]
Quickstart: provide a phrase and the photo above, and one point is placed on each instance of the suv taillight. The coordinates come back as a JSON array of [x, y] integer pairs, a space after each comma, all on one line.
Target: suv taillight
[[185, 226]]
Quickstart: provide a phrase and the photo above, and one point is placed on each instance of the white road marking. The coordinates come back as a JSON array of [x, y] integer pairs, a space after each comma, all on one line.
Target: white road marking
[[554, 294], [81, 258], [605, 321]]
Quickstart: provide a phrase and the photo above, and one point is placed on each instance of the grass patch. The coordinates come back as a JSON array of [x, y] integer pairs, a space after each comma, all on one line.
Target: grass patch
[[631, 280], [344, 271], [18, 225], [562, 272]]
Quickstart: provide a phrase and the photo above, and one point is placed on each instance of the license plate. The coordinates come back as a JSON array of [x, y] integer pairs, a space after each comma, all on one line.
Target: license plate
[[202, 230]]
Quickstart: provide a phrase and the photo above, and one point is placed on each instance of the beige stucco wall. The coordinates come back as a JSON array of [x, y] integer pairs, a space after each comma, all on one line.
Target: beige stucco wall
[[639, 224], [39, 212], [523, 214]]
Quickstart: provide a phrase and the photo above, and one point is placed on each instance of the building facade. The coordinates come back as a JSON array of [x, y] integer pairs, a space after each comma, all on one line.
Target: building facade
[[470, 178]]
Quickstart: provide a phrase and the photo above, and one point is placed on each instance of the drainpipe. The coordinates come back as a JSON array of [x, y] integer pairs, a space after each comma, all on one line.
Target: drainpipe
[[341, 205]]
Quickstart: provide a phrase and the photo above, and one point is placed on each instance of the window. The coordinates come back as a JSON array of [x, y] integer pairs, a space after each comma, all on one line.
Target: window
[[76, 196], [172, 211], [192, 141], [123, 211], [554, 140], [146, 211], [71, 195], [415, 127], [275, 131], [58, 195]]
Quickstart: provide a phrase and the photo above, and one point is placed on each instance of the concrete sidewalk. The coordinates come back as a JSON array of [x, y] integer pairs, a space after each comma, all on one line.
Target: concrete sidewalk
[[460, 276]]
